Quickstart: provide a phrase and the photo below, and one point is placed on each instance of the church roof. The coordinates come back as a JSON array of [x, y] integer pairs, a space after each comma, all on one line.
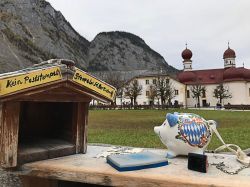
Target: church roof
[[208, 76], [214, 76]]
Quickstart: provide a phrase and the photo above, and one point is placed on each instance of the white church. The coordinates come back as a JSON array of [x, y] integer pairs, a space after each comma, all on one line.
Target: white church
[[235, 79]]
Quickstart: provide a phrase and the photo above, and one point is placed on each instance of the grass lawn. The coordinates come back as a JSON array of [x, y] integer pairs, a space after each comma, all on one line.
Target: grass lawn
[[135, 127]]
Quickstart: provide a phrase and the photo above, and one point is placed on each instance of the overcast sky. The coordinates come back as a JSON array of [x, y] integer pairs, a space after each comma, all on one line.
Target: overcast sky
[[166, 25]]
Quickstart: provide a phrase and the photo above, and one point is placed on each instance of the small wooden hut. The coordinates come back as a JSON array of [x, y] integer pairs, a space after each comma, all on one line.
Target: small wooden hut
[[44, 111]]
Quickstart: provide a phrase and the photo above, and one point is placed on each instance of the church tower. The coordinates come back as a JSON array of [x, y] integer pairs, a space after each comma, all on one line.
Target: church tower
[[229, 58], [187, 62]]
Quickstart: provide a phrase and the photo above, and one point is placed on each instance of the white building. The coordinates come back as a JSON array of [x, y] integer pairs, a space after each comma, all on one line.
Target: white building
[[146, 80], [237, 80]]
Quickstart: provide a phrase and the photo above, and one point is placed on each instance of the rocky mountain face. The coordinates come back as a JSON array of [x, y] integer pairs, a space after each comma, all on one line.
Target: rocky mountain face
[[32, 31], [122, 51]]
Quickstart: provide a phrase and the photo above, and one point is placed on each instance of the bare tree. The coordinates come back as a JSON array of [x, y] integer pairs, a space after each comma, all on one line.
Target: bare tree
[[152, 93], [221, 92], [165, 89], [133, 90], [115, 79], [120, 94], [128, 93], [197, 91], [160, 85], [170, 92]]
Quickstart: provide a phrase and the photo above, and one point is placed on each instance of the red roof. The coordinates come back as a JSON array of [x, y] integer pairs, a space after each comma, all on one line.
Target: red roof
[[234, 74], [209, 76], [214, 76]]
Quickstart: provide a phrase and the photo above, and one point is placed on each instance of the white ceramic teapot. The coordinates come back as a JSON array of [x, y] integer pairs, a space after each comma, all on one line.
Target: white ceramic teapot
[[185, 133]]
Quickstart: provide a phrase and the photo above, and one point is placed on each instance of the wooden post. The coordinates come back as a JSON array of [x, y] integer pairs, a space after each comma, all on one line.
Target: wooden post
[[85, 128], [9, 126], [80, 120]]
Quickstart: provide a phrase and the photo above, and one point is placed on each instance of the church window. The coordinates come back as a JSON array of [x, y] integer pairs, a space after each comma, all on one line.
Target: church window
[[188, 94], [147, 81], [203, 93], [176, 92]]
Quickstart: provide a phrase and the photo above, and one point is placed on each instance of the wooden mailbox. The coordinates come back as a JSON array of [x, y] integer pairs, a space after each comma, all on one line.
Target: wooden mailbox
[[44, 111]]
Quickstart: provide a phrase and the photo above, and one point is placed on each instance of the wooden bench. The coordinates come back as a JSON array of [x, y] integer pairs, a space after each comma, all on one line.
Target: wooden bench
[[91, 168]]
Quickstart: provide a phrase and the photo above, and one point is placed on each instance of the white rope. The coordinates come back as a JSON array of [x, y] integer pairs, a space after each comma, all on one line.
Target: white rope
[[241, 156]]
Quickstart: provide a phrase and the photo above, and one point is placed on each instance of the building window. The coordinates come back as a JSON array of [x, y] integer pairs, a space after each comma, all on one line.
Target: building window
[[154, 81], [188, 94], [167, 81], [147, 93], [176, 92], [147, 81], [203, 93]]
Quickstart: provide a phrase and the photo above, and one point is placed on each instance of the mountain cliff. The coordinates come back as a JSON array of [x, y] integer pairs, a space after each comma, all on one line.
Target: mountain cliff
[[32, 31], [124, 51]]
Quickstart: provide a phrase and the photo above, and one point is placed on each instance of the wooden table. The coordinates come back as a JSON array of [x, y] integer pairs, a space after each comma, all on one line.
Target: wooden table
[[92, 168]]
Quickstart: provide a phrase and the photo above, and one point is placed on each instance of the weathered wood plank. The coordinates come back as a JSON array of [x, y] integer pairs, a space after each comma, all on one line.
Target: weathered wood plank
[[9, 127], [53, 85], [56, 98], [32, 90], [80, 168], [80, 122], [1, 134], [44, 149], [38, 182], [85, 127]]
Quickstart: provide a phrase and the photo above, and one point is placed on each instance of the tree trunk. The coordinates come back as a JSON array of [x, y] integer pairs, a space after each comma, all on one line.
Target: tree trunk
[[134, 101], [220, 100], [198, 102]]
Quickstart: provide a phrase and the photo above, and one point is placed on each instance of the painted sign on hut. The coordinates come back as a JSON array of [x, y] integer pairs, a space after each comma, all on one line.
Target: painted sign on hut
[[44, 111]]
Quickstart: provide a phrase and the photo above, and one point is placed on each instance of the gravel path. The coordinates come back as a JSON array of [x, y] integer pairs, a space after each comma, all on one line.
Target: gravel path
[[9, 180]]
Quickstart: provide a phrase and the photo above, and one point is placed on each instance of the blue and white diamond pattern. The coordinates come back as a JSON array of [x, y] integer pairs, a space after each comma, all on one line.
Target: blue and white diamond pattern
[[193, 132]]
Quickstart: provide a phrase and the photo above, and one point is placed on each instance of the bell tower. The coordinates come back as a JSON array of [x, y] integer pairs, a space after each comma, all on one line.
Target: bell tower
[[187, 62], [229, 58]]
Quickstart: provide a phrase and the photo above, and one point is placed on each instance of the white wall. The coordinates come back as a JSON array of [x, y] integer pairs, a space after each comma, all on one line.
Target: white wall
[[143, 99], [238, 89], [240, 93]]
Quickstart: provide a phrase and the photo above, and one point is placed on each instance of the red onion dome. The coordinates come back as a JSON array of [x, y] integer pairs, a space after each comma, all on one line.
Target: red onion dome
[[234, 73], [186, 76], [229, 53], [187, 54]]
